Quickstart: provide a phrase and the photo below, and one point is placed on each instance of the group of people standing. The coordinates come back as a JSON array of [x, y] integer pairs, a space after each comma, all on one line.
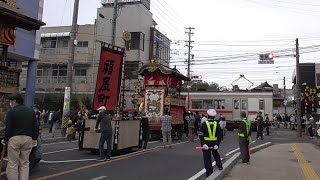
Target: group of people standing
[[261, 124]]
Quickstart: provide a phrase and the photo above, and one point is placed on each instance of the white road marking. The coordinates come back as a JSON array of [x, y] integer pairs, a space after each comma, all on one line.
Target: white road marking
[[200, 173], [67, 161], [59, 143], [125, 155], [231, 152], [64, 150], [153, 142], [235, 150], [98, 178]]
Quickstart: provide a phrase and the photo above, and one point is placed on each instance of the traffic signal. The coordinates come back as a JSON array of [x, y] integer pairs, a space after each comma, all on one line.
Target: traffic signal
[[267, 56], [306, 104]]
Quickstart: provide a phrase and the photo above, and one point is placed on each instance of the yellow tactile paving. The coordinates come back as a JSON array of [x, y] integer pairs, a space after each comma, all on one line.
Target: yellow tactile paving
[[306, 167]]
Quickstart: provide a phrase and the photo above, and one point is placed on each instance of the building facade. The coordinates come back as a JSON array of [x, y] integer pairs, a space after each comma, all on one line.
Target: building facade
[[54, 55], [146, 43]]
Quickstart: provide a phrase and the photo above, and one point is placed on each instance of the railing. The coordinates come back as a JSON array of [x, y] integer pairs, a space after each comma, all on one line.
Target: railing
[[49, 51], [61, 79]]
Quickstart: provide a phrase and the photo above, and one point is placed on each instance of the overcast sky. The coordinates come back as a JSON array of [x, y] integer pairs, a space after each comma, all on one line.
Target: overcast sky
[[229, 34]]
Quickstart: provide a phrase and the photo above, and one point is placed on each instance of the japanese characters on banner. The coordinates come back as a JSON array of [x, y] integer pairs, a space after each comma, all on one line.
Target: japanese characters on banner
[[109, 78]]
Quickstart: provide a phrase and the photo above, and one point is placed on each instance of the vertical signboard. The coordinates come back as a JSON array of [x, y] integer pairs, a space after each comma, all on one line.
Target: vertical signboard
[[109, 77]]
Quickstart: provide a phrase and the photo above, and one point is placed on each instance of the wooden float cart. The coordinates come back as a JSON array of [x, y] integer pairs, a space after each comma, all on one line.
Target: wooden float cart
[[162, 87]]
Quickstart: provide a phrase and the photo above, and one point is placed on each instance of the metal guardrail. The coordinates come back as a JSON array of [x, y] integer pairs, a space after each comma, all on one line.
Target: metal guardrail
[[81, 50], [61, 79]]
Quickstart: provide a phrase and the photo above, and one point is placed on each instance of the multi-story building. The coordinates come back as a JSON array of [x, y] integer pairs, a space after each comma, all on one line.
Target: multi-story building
[[54, 55], [146, 43]]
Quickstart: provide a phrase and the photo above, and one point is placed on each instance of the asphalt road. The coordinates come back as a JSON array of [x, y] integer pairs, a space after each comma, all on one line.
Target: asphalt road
[[63, 160]]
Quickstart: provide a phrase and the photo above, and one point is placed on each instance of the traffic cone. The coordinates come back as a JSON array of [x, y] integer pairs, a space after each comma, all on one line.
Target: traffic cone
[[249, 150]]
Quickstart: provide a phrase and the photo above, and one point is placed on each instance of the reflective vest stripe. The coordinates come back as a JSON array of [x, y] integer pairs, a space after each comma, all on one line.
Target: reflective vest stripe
[[248, 125], [212, 133]]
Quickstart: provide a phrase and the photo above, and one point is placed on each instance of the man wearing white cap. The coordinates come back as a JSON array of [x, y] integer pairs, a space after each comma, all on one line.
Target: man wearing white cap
[[104, 120], [210, 136]]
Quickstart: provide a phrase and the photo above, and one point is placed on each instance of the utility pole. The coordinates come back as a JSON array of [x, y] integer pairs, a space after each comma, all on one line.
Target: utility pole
[[190, 33], [284, 95], [72, 48], [114, 21], [298, 83]]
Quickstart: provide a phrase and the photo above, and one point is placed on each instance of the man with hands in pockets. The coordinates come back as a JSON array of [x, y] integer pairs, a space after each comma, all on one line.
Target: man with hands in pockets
[[210, 138]]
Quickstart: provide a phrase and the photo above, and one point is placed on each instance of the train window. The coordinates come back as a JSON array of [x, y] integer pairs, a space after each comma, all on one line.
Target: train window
[[236, 104], [196, 104], [261, 104], [207, 104], [244, 104], [219, 104]]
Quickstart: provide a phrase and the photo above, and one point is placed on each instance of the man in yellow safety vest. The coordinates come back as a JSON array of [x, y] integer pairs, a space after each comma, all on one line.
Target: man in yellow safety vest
[[244, 137], [210, 137]]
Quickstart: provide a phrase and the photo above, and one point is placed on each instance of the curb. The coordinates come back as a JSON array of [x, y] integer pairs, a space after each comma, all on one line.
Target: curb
[[228, 165]]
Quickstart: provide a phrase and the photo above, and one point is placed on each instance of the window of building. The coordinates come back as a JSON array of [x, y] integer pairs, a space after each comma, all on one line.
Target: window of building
[[207, 104], [219, 104], [65, 43], [137, 41], [40, 72], [82, 44], [236, 104], [80, 72], [196, 104], [49, 43], [59, 70], [261, 104], [244, 104], [130, 68]]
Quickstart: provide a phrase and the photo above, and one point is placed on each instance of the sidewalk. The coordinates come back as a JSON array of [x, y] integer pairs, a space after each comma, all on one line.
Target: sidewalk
[[46, 137], [283, 161]]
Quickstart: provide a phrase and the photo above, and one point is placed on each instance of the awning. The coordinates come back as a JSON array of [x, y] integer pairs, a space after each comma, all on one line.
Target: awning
[[60, 34]]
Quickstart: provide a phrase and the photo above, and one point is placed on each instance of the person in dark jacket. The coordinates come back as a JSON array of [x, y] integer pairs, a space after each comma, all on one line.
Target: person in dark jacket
[[260, 125], [145, 129], [244, 137], [197, 123], [104, 120], [267, 124], [21, 133], [210, 135]]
